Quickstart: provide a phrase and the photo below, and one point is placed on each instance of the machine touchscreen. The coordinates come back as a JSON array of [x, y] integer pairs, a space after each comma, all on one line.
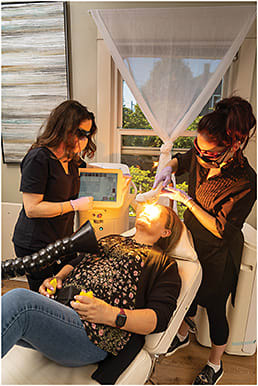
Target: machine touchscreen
[[102, 186]]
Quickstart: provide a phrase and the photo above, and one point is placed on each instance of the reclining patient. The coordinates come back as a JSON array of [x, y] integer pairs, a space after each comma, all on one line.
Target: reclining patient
[[135, 288]]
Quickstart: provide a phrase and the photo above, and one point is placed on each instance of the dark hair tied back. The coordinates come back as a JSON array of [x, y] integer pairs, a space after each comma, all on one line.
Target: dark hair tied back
[[222, 107], [232, 121]]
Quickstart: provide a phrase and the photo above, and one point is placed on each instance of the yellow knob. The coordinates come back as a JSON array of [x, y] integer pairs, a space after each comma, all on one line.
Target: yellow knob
[[53, 283], [83, 293]]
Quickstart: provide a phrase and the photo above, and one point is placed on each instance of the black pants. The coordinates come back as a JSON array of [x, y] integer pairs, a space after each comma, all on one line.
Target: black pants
[[218, 323], [37, 278], [216, 309]]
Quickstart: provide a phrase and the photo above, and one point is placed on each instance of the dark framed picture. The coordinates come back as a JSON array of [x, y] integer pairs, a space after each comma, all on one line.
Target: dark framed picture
[[35, 76]]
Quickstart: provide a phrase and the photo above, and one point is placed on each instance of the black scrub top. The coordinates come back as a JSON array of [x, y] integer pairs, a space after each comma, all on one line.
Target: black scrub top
[[42, 173], [229, 198]]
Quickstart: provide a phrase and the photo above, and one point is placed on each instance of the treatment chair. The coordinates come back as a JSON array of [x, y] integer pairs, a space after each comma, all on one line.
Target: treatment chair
[[26, 366]]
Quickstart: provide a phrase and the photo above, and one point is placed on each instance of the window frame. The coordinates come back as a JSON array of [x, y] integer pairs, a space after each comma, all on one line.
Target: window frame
[[110, 108], [110, 112]]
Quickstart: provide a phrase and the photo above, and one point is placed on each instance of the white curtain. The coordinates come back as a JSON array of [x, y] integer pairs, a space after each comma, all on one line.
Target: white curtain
[[173, 58]]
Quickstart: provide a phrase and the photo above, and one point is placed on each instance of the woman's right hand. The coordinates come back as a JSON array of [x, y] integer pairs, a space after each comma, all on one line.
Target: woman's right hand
[[82, 203], [164, 175], [46, 285]]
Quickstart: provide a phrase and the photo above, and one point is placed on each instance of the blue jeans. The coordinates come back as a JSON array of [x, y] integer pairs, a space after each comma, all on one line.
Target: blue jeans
[[35, 321]]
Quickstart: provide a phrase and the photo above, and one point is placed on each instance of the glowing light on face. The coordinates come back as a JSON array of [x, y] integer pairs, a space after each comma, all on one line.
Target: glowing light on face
[[151, 211]]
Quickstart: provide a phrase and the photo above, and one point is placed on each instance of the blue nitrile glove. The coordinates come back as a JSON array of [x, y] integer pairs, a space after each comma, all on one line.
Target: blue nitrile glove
[[164, 175]]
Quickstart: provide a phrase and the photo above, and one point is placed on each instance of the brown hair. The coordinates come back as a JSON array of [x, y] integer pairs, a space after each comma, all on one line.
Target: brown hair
[[61, 126], [230, 122], [175, 225]]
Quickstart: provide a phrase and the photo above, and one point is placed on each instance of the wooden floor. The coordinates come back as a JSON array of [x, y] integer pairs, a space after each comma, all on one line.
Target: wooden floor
[[7, 285], [182, 367]]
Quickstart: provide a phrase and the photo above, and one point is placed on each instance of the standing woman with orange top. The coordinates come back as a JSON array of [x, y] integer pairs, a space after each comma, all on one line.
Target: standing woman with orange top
[[50, 184], [221, 194]]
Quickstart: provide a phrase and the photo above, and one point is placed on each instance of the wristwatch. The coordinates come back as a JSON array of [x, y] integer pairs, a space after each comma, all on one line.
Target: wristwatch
[[121, 318]]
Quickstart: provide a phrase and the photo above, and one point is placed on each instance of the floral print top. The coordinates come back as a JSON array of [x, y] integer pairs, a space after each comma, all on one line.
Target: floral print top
[[113, 276]]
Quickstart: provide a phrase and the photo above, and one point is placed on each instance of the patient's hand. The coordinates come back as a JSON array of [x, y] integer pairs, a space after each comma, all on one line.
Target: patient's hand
[[94, 310], [46, 285]]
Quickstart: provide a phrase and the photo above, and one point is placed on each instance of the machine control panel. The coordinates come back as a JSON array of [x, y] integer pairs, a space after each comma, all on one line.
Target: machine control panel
[[97, 219], [111, 198], [105, 185]]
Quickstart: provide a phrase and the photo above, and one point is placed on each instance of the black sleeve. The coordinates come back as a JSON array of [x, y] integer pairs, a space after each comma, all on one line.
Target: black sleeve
[[233, 212], [164, 293], [184, 161], [34, 169], [76, 258]]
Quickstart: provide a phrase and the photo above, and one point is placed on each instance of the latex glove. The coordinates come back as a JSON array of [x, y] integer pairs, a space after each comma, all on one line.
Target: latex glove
[[82, 203], [47, 289], [176, 194], [150, 197], [164, 175]]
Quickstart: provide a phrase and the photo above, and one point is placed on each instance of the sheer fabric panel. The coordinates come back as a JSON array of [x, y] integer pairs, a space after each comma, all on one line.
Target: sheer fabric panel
[[173, 58]]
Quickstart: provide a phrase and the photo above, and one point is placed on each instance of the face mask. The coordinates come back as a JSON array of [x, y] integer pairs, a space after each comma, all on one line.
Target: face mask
[[205, 162]]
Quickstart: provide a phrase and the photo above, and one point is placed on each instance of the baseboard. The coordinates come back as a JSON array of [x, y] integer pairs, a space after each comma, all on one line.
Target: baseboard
[[20, 278]]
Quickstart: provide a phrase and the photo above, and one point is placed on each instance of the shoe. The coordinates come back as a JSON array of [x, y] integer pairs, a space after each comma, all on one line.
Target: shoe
[[208, 376], [176, 345]]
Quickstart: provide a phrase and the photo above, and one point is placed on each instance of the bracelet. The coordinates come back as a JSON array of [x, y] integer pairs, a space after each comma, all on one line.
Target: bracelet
[[72, 205], [62, 209]]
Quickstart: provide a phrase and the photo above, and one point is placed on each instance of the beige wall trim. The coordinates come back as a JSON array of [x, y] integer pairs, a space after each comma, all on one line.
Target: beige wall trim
[[103, 102]]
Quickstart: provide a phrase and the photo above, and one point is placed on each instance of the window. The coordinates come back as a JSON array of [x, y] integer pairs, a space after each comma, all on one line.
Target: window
[[139, 144], [132, 140]]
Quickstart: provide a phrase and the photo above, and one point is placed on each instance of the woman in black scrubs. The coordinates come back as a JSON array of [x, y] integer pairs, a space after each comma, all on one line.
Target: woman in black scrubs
[[50, 183], [222, 191]]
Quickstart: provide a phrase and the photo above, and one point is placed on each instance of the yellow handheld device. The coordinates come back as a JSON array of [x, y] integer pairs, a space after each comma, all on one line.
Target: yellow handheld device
[[83, 293], [53, 283]]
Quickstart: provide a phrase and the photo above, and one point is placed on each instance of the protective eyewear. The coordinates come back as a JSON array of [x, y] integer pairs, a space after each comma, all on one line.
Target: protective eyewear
[[209, 155], [83, 133]]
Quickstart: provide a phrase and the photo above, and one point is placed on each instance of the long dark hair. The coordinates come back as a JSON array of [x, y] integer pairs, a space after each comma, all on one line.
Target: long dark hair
[[230, 122], [175, 225], [61, 126]]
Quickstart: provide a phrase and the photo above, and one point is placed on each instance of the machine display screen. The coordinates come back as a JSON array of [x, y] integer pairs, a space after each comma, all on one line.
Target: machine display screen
[[102, 186]]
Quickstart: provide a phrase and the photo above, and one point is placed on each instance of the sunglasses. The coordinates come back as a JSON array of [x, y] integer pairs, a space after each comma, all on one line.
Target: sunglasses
[[209, 155], [80, 133]]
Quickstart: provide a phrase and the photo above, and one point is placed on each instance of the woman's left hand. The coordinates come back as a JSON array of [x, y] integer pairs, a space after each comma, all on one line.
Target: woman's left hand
[[176, 194], [93, 309]]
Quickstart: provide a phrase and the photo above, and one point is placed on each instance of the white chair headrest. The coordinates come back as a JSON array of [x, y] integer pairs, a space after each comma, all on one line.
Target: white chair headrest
[[184, 249]]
